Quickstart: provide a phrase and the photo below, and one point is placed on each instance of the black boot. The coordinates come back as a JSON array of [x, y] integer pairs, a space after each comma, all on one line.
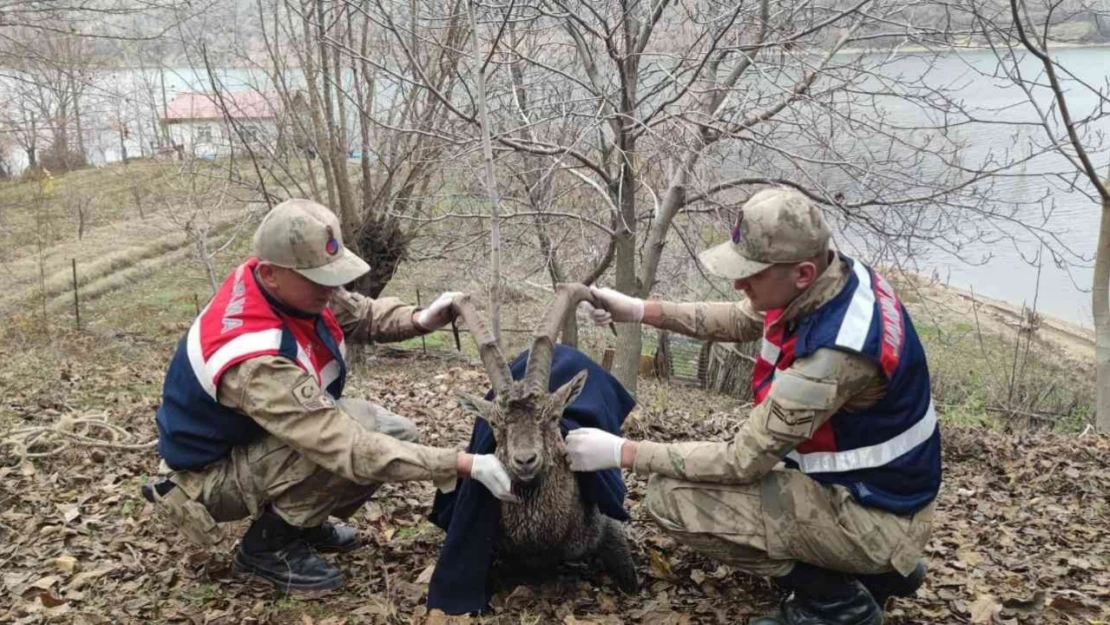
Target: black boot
[[823, 597], [330, 538], [893, 584], [275, 551]]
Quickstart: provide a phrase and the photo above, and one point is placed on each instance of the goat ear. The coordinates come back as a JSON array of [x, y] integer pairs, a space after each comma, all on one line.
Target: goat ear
[[567, 393], [477, 407]]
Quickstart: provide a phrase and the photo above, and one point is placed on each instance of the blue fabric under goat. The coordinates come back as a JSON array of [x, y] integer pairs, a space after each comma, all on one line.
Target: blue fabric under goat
[[470, 515]]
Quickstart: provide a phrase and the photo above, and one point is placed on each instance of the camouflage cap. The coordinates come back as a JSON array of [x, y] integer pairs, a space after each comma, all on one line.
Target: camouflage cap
[[774, 226], [307, 238]]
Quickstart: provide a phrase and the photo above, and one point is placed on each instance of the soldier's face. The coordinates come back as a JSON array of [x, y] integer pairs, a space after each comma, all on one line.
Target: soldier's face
[[778, 285], [294, 290]]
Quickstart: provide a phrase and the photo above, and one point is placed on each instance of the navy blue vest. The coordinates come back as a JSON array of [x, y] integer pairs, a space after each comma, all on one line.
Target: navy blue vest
[[241, 322], [887, 455]]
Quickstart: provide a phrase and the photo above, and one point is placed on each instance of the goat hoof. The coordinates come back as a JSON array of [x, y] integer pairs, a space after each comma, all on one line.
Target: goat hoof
[[627, 581]]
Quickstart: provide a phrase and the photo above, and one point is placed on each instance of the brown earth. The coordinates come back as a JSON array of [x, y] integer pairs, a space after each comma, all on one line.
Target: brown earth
[[1022, 535]]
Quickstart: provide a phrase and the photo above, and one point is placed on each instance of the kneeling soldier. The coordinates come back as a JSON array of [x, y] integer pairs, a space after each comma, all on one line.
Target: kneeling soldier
[[253, 422], [842, 399]]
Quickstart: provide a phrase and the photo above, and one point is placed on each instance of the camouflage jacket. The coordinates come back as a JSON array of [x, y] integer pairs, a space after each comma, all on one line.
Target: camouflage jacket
[[820, 385], [311, 422]]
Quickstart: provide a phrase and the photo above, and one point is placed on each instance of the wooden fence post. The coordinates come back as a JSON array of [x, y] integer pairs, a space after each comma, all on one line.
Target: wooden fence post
[[423, 344], [76, 302]]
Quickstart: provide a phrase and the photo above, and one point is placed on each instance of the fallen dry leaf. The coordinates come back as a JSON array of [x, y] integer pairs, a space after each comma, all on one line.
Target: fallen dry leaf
[[426, 575], [80, 580], [660, 567], [65, 564], [46, 583], [984, 609], [70, 513]]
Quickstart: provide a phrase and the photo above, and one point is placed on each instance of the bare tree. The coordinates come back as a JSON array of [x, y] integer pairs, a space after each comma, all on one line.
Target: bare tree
[[674, 112], [52, 71], [343, 96], [203, 203], [1024, 36]]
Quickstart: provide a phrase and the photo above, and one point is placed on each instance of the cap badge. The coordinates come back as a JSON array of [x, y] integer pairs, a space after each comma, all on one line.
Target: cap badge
[[738, 230], [332, 246]]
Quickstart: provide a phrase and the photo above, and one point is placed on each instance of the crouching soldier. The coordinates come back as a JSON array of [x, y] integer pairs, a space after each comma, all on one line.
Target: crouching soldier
[[253, 422], [842, 399]]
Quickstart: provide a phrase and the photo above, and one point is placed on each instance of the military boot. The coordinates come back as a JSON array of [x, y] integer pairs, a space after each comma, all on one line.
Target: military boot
[[823, 597], [277, 552], [330, 538], [893, 584]]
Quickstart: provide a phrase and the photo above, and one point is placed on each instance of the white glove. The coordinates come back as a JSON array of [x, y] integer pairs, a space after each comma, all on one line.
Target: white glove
[[439, 314], [615, 306], [591, 449], [488, 470]]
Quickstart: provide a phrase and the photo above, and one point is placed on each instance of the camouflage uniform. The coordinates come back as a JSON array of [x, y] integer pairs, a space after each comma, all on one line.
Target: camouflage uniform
[[734, 500], [319, 458]]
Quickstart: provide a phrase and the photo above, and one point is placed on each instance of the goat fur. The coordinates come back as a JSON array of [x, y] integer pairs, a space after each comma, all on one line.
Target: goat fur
[[552, 524]]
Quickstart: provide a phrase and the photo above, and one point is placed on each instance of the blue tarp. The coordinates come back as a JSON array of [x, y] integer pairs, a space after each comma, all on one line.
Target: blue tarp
[[470, 514]]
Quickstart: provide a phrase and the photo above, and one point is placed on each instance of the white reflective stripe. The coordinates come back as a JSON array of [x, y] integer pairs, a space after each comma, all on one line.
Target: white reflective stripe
[[343, 349], [306, 363], [770, 352], [329, 374], [869, 457], [857, 320], [242, 345], [196, 358]]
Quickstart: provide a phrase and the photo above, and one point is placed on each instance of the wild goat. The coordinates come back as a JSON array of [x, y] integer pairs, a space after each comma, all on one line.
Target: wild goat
[[552, 523]]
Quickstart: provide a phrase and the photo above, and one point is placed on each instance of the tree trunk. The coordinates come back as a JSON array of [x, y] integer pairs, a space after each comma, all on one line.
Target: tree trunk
[[337, 123], [77, 120], [627, 366], [673, 201], [1100, 295], [322, 143], [383, 245], [334, 145], [494, 310]]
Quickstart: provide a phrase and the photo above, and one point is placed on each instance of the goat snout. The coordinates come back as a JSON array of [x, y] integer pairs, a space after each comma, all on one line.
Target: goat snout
[[526, 463]]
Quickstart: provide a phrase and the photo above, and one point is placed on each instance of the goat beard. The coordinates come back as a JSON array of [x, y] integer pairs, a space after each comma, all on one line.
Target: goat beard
[[528, 490]]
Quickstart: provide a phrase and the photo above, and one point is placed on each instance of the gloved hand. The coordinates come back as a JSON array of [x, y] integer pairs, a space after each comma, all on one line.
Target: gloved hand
[[439, 314], [488, 470], [615, 306], [591, 449]]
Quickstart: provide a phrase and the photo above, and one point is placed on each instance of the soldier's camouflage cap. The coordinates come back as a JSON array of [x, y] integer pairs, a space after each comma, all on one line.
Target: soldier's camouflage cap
[[773, 226], [306, 237]]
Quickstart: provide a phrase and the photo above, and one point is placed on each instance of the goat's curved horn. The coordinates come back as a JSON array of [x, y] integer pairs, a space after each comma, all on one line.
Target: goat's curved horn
[[567, 297], [496, 368]]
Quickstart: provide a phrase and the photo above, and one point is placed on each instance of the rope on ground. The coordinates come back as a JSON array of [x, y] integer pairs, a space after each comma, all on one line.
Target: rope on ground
[[41, 441]]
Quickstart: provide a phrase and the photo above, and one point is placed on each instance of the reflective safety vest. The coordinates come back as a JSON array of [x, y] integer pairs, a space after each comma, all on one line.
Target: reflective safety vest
[[240, 323], [888, 454]]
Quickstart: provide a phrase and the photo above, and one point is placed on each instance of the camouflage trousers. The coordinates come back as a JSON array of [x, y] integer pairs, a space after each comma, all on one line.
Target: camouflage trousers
[[765, 527], [271, 472]]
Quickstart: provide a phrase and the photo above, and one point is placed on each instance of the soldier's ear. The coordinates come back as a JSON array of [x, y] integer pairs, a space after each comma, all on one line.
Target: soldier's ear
[[567, 393], [478, 407]]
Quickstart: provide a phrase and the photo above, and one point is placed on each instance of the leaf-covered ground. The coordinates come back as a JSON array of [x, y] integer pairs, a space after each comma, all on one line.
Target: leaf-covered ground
[[1022, 534]]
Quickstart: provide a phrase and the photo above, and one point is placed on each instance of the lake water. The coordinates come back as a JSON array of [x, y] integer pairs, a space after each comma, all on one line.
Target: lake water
[[1004, 265], [998, 265]]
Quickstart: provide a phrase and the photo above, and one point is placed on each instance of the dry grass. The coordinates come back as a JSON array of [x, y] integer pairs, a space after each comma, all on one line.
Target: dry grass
[[112, 255], [35, 212]]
